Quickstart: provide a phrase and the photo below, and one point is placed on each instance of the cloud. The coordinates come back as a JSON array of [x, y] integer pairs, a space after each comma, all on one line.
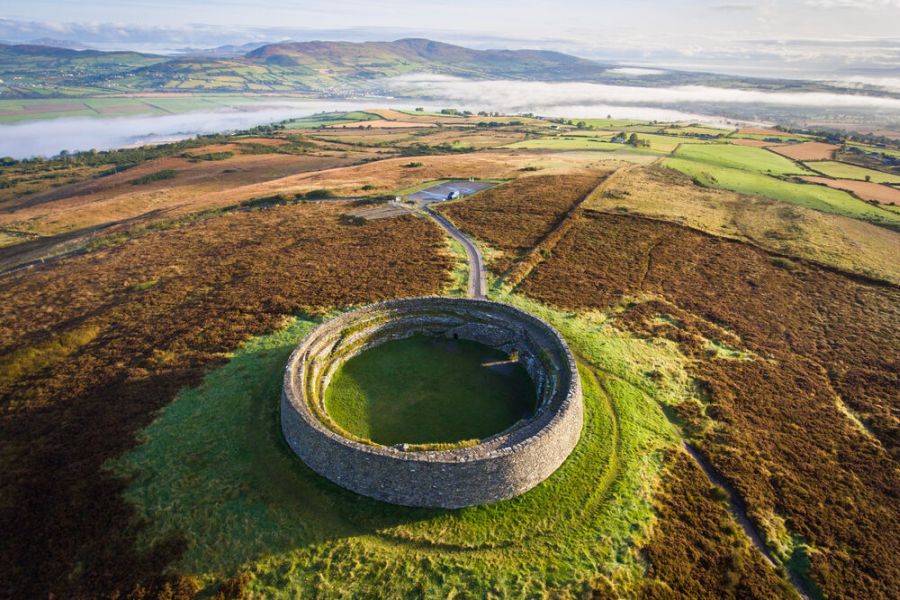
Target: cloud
[[888, 84], [734, 7], [518, 96], [49, 137], [853, 4], [635, 71]]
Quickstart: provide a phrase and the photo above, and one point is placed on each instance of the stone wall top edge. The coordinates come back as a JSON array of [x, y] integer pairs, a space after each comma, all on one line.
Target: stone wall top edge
[[530, 432]]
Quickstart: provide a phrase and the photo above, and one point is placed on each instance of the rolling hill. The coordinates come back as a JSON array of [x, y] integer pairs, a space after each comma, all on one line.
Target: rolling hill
[[31, 71]]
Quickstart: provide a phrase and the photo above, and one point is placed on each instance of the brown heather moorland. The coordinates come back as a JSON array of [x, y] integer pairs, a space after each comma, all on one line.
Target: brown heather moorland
[[120, 331], [834, 240], [785, 355], [794, 362], [513, 218], [695, 548]]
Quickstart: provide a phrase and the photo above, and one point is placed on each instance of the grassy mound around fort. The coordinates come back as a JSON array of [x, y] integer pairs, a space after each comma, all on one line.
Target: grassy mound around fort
[[214, 471], [427, 390]]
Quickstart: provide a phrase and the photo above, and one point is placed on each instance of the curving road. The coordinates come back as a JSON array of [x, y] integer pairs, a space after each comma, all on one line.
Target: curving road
[[477, 285]]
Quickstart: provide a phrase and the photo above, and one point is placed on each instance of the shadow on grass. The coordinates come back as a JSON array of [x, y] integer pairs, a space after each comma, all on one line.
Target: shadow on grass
[[214, 470]]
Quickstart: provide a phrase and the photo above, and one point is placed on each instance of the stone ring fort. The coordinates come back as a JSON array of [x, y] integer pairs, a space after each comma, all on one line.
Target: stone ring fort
[[495, 468]]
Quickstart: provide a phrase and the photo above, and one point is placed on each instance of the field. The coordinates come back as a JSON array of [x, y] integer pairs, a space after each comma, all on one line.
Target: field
[[806, 151], [656, 144], [513, 218], [427, 391], [56, 220], [739, 157], [866, 190], [750, 142], [579, 143], [734, 347], [840, 170], [809, 196], [829, 239], [770, 135]]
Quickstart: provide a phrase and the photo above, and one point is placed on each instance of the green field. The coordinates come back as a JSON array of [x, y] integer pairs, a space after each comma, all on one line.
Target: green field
[[426, 113], [840, 170], [887, 151], [215, 469], [668, 143], [781, 137], [817, 197], [696, 130], [335, 118], [759, 160], [617, 123], [427, 390], [579, 143]]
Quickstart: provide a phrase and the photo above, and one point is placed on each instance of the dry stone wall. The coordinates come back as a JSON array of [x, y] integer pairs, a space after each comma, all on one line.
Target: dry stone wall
[[500, 467]]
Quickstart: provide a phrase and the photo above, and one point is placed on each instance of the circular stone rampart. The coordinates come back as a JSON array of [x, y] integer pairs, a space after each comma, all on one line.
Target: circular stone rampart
[[499, 467]]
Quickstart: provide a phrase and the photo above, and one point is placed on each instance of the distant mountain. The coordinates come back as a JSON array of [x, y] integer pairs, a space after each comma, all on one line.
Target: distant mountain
[[31, 70], [55, 43], [37, 70], [226, 51], [367, 60], [280, 67]]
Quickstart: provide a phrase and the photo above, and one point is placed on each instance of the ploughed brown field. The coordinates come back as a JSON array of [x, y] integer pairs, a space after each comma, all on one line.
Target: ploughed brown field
[[806, 150], [867, 190], [751, 142]]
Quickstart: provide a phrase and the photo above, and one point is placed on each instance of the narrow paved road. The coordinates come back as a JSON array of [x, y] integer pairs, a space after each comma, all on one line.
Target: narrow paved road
[[477, 285]]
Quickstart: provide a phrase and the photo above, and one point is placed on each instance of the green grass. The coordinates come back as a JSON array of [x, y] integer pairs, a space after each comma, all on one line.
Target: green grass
[[425, 113], [747, 158], [161, 175], [459, 276], [840, 170], [334, 118], [427, 390], [31, 359], [696, 130], [886, 151], [214, 469], [579, 143], [615, 123], [781, 137], [817, 197]]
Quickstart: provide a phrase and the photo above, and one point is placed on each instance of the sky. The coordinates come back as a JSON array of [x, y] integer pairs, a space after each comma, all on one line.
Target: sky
[[840, 38]]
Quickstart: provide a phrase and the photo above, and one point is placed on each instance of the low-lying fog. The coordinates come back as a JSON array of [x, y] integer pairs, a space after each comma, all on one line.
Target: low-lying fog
[[48, 137], [571, 100], [540, 96]]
